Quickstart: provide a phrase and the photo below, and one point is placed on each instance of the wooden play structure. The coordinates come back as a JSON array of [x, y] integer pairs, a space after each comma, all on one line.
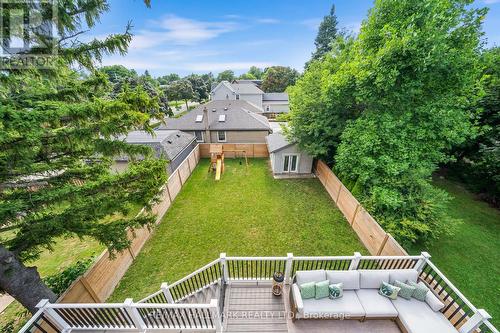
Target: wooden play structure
[[217, 158]]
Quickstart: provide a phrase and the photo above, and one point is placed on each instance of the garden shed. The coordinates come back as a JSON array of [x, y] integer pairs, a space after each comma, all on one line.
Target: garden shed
[[287, 159]]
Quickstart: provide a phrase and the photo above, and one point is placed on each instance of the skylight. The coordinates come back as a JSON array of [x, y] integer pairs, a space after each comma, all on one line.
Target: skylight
[[222, 118], [199, 118]]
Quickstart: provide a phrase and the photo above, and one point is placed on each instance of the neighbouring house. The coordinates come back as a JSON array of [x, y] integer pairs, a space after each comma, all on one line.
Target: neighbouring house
[[257, 82], [286, 157], [172, 145], [268, 104], [223, 121]]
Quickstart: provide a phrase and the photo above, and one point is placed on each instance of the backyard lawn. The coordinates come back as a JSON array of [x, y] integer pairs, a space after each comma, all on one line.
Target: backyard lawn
[[66, 252], [470, 257], [247, 213]]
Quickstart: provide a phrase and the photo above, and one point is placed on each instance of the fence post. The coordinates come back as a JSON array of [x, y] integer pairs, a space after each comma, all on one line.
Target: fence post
[[44, 306], [355, 213], [338, 194], [355, 261], [382, 245], [475, 321], [217, 319], [166, 291], [288, 267], [422, 261], [225, 271], [134, 314]]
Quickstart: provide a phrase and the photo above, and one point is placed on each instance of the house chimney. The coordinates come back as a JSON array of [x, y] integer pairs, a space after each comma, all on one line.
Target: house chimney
[[205, 121]]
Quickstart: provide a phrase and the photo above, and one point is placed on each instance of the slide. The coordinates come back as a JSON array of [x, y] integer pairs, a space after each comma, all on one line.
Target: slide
[[218, 169]]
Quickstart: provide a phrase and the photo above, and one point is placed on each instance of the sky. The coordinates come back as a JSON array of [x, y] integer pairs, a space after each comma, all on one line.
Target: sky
[[201, 36]]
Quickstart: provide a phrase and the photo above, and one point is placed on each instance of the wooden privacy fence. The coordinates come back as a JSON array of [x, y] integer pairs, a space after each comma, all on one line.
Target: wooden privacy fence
[[97, 284], [232, 150], [371, 234]]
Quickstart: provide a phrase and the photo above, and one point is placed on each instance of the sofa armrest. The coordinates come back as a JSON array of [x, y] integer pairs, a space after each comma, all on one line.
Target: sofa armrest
[[299, 305]]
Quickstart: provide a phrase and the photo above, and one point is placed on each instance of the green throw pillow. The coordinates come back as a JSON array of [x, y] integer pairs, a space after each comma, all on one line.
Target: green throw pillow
[[420, 290], [388, 290], [336, 290], [322, 289], [406, 290], [307, 290]]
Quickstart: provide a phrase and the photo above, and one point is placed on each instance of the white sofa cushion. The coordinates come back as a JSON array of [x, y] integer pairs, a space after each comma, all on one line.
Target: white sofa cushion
[[372, 278], [297, 298], [376, 306], [310, 276], [433, 301], [350, 279], [418, 317], [403, 275], [348, 306]]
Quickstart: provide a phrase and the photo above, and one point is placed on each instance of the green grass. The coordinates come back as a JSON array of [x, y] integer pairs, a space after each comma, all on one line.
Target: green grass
[[470, 257], [247, 213], [66, 252]]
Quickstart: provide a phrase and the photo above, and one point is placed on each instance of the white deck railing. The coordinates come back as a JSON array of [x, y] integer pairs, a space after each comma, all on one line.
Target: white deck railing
[[161, 310]]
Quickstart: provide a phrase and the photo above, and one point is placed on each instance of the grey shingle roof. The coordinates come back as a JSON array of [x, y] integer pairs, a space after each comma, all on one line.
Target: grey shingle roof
[[240, 115], [275, 97], [246, 88], [170, 142], [277, 141]]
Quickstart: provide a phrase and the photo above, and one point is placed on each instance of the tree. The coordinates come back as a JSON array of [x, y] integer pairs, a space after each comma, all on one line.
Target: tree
[[256, 72], [278, 78], [117, 73], [181, 90], [201, 87], [227, 75], [167, 79], [327, 33], [57, 143], [247, 76], [319, 107], [478, 160], [415, 69]]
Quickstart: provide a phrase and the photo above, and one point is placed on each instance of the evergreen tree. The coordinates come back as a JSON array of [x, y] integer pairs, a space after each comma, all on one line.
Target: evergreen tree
[[327, 33], [58, 139]]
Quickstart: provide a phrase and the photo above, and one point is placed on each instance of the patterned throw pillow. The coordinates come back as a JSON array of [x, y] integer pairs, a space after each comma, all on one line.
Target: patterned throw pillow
[[336, 290], [322, 289], [307, 290], [388, 290], [406, 290], [421, 290]]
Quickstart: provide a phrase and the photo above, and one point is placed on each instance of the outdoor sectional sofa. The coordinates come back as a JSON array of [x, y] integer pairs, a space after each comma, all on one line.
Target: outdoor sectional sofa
[[362, 301]]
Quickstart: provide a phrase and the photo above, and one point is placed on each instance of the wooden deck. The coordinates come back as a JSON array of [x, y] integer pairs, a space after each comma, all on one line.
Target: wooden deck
[[253, 308]]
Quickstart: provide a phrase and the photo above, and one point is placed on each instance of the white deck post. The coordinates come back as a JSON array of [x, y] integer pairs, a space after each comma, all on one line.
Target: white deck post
[[216, 315], [225, 271], [355, 261], [167, 293], [134, 314], [288, 267], [44, 305], [475, 321], [421, 262]]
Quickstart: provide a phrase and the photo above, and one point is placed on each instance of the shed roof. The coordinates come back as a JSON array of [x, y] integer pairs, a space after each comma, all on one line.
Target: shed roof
[[277, 141], [239, 115]]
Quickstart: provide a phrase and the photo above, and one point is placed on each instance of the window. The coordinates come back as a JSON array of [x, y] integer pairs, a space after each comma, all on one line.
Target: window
[[199, 118], [290, 162], [237, 96], [199, 136], [268, 108], [222, 118], [221, 136]]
